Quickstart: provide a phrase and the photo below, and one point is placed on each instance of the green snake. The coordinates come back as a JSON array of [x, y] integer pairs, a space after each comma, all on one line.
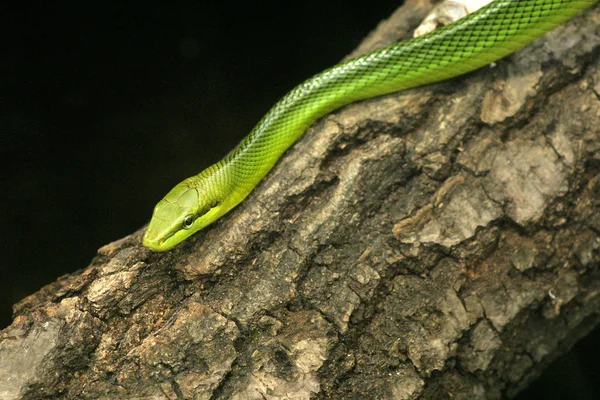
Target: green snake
[[492, 32]]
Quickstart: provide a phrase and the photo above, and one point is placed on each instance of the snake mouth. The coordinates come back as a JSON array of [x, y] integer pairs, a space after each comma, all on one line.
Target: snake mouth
[[151, 241]]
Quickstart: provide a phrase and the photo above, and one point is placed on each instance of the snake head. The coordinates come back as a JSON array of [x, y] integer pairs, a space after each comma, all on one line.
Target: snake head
[[186, 209]]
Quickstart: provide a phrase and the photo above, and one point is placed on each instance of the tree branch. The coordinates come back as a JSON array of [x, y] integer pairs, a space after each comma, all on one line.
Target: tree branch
[[439, 242]]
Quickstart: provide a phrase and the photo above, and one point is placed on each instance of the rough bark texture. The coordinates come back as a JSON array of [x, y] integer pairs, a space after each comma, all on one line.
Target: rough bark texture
[[442, 242]]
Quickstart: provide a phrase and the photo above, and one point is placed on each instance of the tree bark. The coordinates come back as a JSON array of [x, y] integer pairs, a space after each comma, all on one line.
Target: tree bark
[[440, 242]]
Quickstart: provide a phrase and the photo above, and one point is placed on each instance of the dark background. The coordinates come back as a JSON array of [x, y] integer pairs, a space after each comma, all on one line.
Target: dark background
[[104, 108]]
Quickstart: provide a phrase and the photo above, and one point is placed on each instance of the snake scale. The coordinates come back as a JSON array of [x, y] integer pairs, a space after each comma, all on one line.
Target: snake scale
[[492, 32]]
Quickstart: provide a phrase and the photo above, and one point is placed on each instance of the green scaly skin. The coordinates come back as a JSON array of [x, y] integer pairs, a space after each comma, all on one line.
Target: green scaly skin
[[489, 34]]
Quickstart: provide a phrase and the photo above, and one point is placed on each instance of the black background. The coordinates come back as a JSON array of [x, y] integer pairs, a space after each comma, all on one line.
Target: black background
[[105, 107]]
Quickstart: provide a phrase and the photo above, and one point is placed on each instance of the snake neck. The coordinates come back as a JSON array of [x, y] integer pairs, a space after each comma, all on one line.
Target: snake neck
[[272, 136]]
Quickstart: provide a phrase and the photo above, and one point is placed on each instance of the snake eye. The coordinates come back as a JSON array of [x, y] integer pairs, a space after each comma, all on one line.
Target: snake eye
[[188, 220]]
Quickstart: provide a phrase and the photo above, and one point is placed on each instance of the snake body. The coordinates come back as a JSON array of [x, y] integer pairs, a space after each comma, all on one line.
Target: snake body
[[489, 34]]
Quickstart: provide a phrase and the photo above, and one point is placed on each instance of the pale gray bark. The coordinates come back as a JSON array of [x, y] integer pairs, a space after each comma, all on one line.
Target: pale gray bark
[[442, 242]]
